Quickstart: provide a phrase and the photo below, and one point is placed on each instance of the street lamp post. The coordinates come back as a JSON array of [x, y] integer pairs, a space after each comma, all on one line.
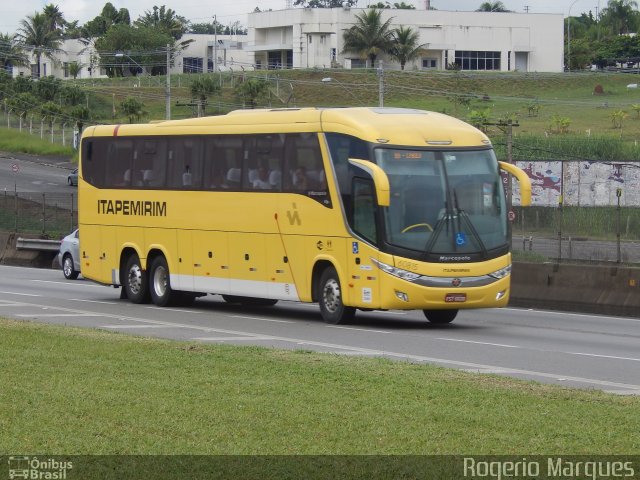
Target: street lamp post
[[569, 35], [331, 79], [121, 55]]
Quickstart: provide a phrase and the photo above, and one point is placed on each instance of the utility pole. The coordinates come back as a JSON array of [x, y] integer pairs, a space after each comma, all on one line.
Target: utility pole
[[168, 89], [215, 44], [380, 85]]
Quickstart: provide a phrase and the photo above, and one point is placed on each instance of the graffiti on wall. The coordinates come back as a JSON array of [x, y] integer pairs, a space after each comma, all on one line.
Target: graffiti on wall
[[581, 183]]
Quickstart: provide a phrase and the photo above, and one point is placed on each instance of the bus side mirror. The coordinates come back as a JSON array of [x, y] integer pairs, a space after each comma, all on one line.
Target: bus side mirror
[[380, 179], [523, 180]]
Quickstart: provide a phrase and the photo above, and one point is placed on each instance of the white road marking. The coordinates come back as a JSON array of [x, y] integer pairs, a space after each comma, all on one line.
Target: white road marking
[[135, 326], [165, 309], [357, 329], [613, 357], [23, 294], [47, 315], [582, 315], [478, 343], [262, 319], [62, 282], [235, 339], [92, 301]]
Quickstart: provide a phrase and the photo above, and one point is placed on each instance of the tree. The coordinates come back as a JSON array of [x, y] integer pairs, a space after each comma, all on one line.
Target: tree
[[251, 90], [11, 53], [133, 109], [405, 47], [74, 69], [403, 6], [164, 19], [620, 16], [102, 23], [201, 88], [136, 47], [492, 7], [34, 33], [324, 3], [55, 17], [81, 115], [369, 37]]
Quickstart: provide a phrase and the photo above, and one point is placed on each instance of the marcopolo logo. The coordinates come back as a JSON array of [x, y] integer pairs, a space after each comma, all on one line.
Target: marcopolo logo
[[34, 468]]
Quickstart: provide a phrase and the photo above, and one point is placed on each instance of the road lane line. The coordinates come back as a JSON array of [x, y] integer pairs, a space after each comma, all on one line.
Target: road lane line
[[61, 282], [235, 339], [134, 326], [613, 357], [262, 319], [23, 294], [92, 301], [482, 343], [166, 309], [357, 329], [50, 315]]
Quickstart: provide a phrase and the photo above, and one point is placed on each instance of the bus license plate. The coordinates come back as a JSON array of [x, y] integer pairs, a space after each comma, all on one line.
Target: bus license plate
[[455, 297]]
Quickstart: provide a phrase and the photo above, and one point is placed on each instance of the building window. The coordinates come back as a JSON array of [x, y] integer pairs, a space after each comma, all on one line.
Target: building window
[[323, 39], [429, 63], [477, 60], [192, 65], [65, 69], [310, 39]]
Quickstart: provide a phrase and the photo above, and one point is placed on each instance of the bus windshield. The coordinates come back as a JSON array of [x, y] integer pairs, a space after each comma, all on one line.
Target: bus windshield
[[444, 202]]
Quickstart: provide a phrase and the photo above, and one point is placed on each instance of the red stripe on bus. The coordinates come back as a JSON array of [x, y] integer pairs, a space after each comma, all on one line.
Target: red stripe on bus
[[115, 130]]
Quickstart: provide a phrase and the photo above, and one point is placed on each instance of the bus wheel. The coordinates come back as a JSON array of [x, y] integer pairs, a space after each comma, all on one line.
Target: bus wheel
[[440, 317], [159, 285], [330, 299], [135, 280]]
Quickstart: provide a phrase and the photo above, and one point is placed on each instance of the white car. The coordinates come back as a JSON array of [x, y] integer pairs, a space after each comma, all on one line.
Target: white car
[[69, 255]]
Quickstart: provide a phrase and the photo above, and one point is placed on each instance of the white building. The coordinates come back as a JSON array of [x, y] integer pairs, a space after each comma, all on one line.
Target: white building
[[313, 37]]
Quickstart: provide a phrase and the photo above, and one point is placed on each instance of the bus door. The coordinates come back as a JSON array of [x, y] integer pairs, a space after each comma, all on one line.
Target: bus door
[[362, 284]]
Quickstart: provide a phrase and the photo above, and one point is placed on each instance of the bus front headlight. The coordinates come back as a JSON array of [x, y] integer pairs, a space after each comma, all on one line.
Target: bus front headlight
[[396, 272], [503, 272]]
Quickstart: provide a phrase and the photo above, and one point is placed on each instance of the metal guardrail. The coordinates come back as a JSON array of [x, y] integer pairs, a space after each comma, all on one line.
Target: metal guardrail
[[37, 244]]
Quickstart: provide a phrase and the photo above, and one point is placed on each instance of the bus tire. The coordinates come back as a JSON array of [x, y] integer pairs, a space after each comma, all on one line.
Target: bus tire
[[159, 283], [135, 280], [330, 299], [440, 317]]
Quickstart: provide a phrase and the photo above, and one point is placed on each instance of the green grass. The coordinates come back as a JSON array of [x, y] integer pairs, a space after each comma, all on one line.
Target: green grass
[[22, 142], [80, 391]]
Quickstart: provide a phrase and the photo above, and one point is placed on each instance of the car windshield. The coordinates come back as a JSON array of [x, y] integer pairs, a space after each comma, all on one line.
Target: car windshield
[[444, 202]]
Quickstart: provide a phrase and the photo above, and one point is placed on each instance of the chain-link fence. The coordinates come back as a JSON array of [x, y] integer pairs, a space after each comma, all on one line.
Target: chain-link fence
[[49, 215]]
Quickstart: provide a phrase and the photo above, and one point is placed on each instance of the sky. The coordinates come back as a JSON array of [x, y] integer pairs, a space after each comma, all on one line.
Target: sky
[[229, 11]]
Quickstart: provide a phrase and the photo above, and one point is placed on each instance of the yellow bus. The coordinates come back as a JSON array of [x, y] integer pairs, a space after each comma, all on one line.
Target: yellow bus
[[353, 208]]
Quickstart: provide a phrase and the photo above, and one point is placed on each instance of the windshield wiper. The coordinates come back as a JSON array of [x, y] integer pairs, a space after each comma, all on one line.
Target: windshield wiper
[[464, 217]]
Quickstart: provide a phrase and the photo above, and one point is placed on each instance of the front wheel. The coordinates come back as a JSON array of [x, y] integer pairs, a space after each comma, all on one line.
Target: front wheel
[[330, 299], [135, 280], [159, 284], [440, 317]]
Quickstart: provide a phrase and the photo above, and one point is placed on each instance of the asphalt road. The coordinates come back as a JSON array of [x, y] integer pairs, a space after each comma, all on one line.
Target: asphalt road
[[584, 351]]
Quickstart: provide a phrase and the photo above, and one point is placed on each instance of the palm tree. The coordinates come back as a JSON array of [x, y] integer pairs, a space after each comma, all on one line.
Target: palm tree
[[251, 90], [370, 36], [492, 7], [35, 34], [201, 88], [621, 16], [166, 20], [55, 16], [11, 54], [405, 47]]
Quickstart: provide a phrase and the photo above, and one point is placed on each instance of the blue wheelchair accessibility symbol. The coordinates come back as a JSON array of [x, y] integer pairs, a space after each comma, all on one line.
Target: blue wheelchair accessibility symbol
[[354, 247], [461, 239]]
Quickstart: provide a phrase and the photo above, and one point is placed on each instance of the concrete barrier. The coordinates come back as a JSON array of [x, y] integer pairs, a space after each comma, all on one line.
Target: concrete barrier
[[608, 290]]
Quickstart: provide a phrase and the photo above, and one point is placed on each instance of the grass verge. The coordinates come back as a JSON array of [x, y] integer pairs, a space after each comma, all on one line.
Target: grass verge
[[78, 391], [22, 142]]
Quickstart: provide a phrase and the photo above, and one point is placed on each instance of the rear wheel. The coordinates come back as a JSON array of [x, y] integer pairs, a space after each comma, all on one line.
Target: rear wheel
[[69, 271], [135, 280], [330, 299], [440, 317], [159, 284]]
